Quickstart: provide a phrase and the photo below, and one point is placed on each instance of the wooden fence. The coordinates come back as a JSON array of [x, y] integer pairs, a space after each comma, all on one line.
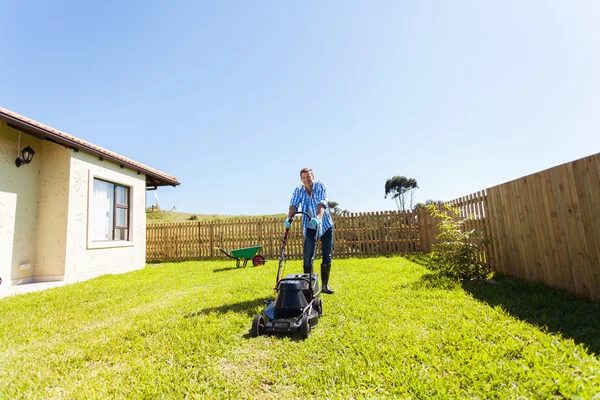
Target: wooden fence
[[546, 226], [356, 234], [475, 207]]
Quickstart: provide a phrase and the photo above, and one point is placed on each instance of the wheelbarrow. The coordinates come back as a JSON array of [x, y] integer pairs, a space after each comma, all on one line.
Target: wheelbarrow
[[246, 254]]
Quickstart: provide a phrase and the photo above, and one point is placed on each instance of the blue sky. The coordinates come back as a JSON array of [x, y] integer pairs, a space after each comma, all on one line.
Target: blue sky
[[234, 98]]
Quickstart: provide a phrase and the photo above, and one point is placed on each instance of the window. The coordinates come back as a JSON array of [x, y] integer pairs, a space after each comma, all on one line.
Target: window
[[110, 211]]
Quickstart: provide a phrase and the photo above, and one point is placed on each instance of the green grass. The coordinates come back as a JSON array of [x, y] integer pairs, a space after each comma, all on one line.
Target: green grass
[[182, 330]]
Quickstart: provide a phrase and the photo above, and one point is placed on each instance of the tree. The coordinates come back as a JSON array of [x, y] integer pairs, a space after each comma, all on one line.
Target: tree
[[429, 202], [335, 209], [398, 188]]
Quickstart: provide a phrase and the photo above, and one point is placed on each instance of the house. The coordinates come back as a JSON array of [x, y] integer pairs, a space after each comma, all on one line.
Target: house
[[71, 212]]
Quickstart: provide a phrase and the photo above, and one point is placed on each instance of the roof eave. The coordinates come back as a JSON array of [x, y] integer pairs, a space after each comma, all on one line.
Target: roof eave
[[152, 179]]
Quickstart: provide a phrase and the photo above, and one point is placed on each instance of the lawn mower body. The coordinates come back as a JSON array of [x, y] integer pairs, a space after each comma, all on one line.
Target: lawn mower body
[[293, 305]]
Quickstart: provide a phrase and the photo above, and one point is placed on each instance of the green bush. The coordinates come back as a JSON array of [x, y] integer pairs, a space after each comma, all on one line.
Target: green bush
[[456, 253], [193, 218]]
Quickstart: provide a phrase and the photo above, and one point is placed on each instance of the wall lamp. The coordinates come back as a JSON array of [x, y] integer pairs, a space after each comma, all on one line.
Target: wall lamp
[[27, 154]]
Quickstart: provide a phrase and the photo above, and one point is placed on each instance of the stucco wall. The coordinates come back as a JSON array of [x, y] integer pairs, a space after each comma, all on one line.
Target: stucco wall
[[82, 261], [19, 189], [44, 214], [53, 209]]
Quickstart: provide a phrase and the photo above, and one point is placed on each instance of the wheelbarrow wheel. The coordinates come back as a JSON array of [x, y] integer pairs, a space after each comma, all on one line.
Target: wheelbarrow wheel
[[258, 326], [258, 260]]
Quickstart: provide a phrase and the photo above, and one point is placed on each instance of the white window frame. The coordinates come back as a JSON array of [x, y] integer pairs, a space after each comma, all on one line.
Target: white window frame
[[94, 244]]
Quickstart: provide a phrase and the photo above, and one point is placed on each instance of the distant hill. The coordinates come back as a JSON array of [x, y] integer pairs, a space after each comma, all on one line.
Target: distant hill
[[154, 217]]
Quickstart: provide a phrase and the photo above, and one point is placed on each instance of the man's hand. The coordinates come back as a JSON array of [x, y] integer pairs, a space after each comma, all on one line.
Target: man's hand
[[287, 223], [315, 222]]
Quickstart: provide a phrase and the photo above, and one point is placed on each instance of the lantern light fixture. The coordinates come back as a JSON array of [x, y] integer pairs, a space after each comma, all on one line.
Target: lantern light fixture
[[27, 154]]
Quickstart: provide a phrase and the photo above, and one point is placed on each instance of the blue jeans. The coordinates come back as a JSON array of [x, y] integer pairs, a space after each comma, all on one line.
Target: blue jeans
[[309, 247]]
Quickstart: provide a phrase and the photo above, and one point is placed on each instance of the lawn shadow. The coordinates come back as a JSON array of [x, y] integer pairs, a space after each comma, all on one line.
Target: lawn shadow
[[243, 307], [248, 308], [293, 337], [232, 268], [548, 308], [225, 269], [435, 281]]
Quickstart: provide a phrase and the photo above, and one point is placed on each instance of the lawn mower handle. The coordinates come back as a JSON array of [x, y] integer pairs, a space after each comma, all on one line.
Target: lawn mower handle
[[282, 255], [291, 219]]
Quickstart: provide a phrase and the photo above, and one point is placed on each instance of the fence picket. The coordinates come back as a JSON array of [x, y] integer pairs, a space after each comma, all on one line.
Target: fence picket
[[373, 233]]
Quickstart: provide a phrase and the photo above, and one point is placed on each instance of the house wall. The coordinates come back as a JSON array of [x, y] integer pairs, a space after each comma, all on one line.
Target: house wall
[[44, 214], [85, 259], [19, 190], [53, 211]]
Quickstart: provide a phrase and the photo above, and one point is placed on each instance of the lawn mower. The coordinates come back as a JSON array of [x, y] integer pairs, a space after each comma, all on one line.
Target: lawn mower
[[296, 306]]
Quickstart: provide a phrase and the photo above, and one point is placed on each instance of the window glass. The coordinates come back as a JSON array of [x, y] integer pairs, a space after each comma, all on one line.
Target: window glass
[[102, 210], [121, 217], [121, 234], [122, 195], [109, 218]]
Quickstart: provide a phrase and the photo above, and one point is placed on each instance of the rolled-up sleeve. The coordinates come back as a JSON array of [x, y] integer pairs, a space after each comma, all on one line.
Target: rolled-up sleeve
[[296, 198], [322, 195]]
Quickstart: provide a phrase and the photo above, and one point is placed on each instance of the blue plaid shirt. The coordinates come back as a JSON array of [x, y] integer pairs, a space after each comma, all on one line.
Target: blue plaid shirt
[[310, 205]]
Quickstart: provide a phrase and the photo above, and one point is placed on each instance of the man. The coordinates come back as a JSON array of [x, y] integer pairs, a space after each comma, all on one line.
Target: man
[[312, 196]]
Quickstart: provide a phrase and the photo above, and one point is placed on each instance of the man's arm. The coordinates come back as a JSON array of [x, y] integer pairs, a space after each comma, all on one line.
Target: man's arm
[[292, 212], [320, 211], [294, 203], [322, 199]]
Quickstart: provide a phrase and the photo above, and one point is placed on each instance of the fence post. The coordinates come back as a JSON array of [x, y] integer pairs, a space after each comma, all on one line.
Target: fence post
[[212, 240], [382, 243], [424, 232], [199, 252]]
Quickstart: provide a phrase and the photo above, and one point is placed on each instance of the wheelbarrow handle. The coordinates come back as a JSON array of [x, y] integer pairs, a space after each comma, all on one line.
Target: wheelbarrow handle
[[224, 252]]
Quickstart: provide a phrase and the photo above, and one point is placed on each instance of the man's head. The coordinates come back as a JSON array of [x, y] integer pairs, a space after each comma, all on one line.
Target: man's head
[[307, 177]]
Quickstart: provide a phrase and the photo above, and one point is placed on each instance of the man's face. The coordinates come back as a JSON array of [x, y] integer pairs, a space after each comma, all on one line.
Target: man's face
[[307, 179]]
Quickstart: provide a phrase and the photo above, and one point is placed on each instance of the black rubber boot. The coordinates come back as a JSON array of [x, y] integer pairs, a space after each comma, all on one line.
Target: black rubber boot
[[325, 269], [307, 269]]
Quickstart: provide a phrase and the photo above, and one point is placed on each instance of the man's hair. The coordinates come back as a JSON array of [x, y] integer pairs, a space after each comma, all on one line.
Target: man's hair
[[309, 170]]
